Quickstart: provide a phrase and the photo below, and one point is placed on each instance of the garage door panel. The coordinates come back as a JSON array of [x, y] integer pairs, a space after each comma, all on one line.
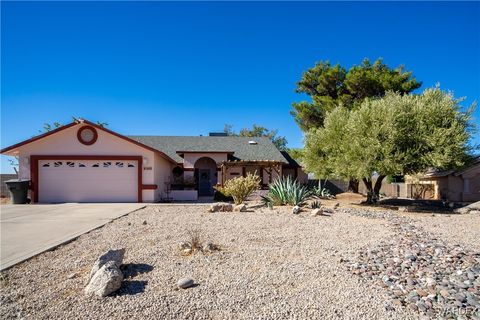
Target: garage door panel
[[88, 181]]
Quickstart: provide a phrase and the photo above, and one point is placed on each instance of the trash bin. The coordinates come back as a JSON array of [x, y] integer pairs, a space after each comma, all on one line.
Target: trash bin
[[18, 190]]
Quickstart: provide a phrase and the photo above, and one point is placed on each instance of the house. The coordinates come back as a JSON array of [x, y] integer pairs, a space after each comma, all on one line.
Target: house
[[85, 162], [455, 186]]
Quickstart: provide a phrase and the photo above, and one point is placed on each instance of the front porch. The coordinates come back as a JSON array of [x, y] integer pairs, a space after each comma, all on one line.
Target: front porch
[[193, 184]]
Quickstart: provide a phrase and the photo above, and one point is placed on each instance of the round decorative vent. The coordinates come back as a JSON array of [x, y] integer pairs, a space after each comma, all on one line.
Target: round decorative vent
[[87, 135]]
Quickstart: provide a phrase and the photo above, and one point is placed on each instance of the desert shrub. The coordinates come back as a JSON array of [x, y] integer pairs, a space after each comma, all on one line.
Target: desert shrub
[[240, 188], [286, 191], [196, 242]]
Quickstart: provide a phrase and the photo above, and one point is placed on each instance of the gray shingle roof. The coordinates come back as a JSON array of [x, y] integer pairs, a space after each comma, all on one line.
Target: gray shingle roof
[[242, 150]]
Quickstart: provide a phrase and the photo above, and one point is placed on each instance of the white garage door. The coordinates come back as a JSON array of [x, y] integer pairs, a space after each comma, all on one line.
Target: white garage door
[[87, 181]]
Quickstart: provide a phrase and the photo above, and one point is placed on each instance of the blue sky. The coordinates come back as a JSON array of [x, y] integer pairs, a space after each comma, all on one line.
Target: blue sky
[[189, 68]]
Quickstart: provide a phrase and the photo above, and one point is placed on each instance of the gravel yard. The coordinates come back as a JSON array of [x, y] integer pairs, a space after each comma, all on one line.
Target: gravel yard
[[453, 228], [273, 265]]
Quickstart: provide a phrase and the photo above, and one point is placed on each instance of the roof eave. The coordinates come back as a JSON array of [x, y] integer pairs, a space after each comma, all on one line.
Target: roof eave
[[7, 150]]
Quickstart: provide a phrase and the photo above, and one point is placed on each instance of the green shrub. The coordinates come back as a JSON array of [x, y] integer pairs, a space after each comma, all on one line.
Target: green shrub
[[287, 191], [322, 193], [240, 188]]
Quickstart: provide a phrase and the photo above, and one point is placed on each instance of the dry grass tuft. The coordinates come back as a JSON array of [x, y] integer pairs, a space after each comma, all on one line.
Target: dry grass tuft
[[196, 243]]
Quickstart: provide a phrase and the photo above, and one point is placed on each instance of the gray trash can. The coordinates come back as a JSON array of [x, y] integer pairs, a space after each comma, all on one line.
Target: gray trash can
[[18, 190]]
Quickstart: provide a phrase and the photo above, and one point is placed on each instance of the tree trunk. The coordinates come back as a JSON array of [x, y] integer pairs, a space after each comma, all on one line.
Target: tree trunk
[[373, 191], [353, 185], [368, 184], [378, 186]]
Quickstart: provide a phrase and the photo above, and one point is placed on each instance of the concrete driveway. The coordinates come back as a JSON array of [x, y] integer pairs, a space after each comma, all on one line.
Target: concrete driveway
[[27, 230]]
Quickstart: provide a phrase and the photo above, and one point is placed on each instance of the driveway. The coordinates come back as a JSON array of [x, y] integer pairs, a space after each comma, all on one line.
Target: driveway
[[27, 230]]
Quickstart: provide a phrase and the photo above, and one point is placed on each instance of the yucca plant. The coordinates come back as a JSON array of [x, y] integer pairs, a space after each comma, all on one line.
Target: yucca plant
[[287, 191]]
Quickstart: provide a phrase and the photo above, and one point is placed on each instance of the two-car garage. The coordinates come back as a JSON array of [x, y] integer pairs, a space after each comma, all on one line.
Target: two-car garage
[[85, 162]]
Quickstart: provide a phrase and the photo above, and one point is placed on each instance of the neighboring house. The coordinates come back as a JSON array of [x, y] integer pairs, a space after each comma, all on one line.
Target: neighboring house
[[84, 162], [455, 186]]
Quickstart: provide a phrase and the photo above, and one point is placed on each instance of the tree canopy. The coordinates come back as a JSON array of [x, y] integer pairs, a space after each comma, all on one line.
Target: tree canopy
[[329, 86], [395, 135], [258, 131]]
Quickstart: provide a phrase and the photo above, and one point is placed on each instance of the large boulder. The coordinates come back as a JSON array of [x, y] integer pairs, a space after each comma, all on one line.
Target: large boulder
[[105, 281], [111, 255]]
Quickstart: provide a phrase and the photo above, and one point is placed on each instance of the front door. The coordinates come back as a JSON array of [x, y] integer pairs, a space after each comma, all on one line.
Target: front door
[[204, 182]]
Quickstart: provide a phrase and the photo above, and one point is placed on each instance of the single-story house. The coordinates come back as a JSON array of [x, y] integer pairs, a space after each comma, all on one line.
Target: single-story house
[[455, 186], [86, 162]]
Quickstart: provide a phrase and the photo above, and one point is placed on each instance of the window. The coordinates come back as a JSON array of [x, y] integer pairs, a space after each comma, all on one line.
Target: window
[[107, 164], [57, 164], [119, 164], [96, 165], [87, 135], [46, 165], [70, 164]]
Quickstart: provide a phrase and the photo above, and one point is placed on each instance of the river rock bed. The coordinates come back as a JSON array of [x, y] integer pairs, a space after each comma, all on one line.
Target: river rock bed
[[420, 271]]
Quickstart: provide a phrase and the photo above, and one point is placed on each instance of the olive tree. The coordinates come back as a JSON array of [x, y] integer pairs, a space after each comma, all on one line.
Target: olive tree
[[395, 135]]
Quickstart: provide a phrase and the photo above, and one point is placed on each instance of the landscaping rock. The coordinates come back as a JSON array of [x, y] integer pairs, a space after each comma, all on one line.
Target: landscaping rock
[[184, 245], [209, 247], [329, 211], [185, 283], [240, 208], [296, 210], [105, 281], [420, 271], [221, 207], [111, 255], [471, 208]]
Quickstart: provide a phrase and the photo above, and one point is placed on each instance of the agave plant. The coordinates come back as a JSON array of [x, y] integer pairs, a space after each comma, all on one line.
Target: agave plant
[[285, 191]]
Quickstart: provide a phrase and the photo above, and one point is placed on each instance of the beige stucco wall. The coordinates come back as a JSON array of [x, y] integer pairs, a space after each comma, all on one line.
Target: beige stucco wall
[[66, 143], [191, 158], [163, 174]]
